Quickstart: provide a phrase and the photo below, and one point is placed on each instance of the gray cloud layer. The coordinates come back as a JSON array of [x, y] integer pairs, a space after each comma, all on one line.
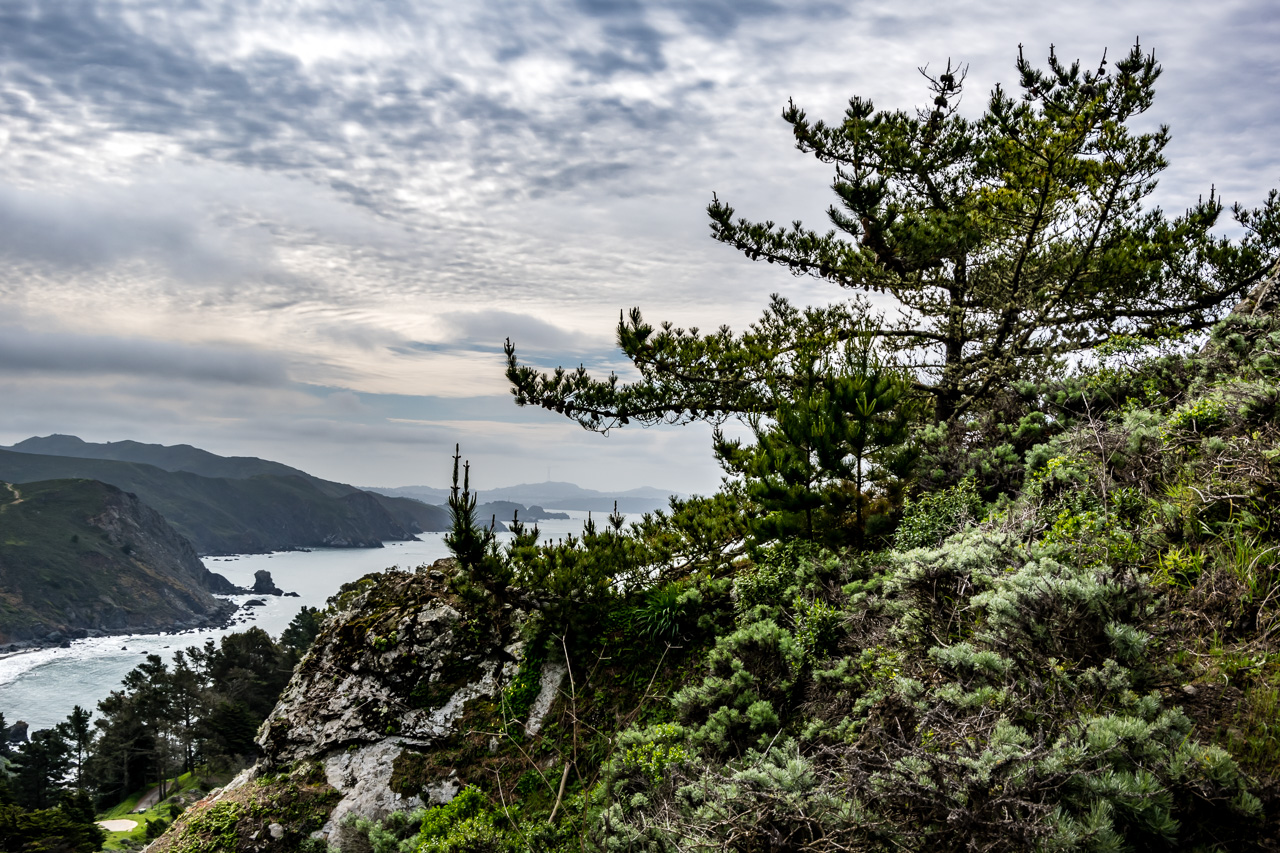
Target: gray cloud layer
[[25, 351], [372, 193]]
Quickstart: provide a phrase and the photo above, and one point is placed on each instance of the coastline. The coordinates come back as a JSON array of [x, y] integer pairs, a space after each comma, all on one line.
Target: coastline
[[224, 618]]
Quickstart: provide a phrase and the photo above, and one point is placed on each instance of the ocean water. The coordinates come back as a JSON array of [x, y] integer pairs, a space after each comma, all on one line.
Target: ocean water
[[42, 687]]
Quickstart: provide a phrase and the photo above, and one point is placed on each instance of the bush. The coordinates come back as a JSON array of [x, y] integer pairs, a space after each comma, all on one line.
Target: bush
[[933, 517]]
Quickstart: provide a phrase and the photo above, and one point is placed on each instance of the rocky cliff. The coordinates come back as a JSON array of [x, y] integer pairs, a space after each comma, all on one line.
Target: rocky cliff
[[80, 556], [401, 680]]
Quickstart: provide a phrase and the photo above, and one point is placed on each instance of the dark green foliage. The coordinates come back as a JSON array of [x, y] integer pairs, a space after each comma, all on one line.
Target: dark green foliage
[[737, 705], [77, 805], [79, 739], [934, 516], [296, 639], [40, 768], [203, 710], [583, 577], [1009, 240], [482, 568], [46, 831], [989, 445], [663, 614], [812, 459]]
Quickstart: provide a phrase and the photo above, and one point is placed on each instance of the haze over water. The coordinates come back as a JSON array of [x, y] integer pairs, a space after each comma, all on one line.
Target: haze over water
[[42, 687]]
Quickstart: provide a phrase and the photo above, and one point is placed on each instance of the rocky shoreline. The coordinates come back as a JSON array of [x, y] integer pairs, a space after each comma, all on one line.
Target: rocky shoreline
[[223, 618]]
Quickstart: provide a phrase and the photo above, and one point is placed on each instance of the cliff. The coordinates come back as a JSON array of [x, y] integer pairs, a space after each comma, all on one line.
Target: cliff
[[402, 676], [80, 556], [1068, 642]]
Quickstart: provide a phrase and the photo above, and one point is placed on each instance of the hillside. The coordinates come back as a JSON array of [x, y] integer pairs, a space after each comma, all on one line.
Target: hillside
[[178, 457], [408, 512], [1068, 644], [80, 555], [264, 512]]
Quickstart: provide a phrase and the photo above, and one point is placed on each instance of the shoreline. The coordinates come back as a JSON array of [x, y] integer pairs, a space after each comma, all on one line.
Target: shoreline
[[226, 620]]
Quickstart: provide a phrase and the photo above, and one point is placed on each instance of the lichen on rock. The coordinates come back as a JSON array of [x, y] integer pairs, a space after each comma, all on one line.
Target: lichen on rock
[[396, 667]]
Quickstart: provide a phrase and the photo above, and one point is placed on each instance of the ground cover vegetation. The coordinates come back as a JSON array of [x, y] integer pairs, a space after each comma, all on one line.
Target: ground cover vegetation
[[194, 719], [960, 592]]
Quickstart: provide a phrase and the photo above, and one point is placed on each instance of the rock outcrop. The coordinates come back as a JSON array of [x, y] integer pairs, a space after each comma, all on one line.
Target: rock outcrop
[[393, 674], [264, 585]]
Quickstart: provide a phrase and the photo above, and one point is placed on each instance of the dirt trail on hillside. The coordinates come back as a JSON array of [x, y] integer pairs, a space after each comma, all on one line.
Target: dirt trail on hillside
[[17, 497], [149, 799]]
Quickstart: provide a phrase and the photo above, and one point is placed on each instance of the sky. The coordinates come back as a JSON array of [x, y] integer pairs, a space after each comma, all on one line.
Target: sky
[[302, 229]]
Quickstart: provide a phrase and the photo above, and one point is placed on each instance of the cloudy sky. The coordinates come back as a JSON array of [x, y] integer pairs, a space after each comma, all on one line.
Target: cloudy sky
[[301, 229]]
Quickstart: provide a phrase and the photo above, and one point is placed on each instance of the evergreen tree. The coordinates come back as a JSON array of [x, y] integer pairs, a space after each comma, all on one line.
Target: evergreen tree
[[121, 759], [77, 806], [297, 638], [47, 831], [811, 462], [186, 686], [474, 545], [40, 769], [79, 737], [1008, 242]]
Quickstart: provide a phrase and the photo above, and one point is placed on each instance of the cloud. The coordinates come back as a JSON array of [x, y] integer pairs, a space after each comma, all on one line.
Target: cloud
[[103, 226], [488, 329], [376, 195], [27, 352]]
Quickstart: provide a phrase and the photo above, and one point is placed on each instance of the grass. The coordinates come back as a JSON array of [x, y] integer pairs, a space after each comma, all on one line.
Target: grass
[[189, 786]]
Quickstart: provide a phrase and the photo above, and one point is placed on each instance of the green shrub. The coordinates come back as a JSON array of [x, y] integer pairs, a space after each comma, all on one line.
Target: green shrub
[[651, 752], [732, 708], [933, 517], [1197, 416], [817, 627], [665, 612]]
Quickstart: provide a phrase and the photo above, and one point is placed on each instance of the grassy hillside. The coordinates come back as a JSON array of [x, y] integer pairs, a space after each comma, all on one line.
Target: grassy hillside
[[179, 457], [226, 516], [79, 555], [409, 514]]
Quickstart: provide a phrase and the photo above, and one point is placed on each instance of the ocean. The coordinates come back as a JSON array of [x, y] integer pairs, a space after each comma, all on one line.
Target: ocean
[[41, 687]]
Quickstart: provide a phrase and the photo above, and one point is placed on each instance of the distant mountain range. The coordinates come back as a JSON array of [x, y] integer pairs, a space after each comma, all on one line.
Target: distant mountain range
[[228, 505], [243, 504], [551, 495]]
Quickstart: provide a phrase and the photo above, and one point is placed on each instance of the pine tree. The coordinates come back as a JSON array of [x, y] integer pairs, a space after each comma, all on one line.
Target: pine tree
[[40, 769], [812, 460], [474, 545], [78, 735], [1008, 242], [467, 539]]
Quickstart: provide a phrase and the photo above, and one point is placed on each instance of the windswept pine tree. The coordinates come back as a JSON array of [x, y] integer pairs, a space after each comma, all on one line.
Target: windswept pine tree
[[1008, 241]]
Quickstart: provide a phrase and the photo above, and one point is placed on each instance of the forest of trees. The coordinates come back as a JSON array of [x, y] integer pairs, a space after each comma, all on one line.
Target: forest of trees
[[197, 713]]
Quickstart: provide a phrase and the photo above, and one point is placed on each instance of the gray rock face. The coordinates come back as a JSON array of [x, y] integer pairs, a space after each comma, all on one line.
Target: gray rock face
[[391, 674], [553, 673]]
